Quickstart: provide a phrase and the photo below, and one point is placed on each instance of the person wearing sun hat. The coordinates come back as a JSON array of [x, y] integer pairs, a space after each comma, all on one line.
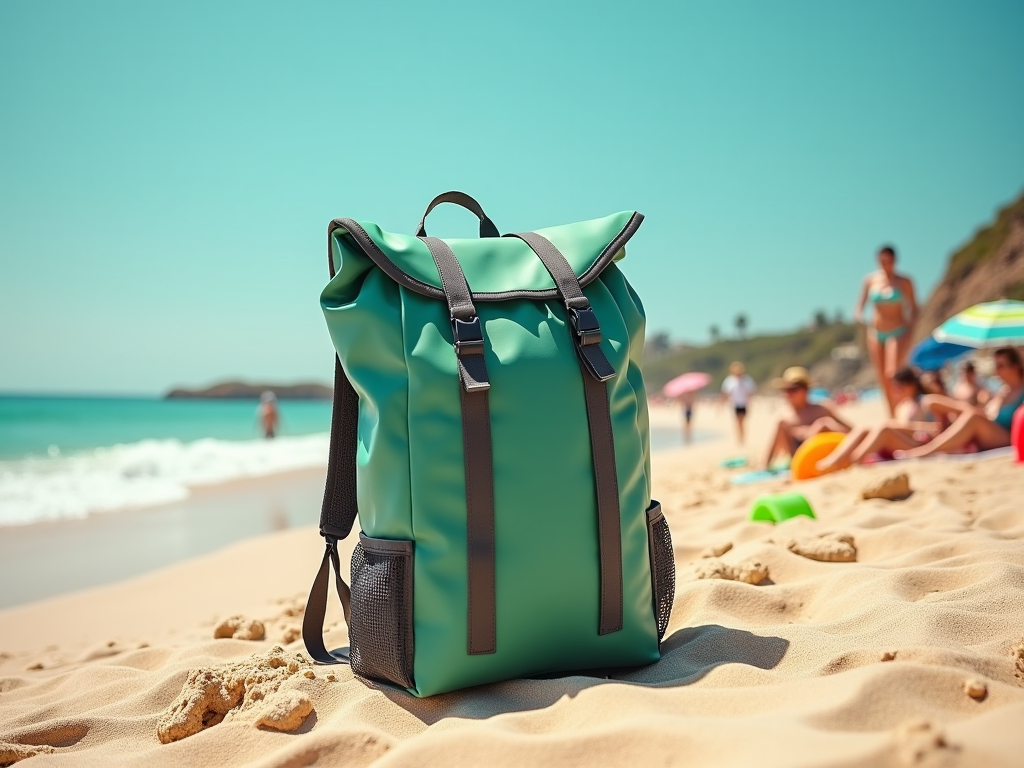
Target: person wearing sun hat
[[804, 419]]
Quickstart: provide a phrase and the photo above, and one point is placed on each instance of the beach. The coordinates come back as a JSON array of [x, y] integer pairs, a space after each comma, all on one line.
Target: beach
[[912, 654]]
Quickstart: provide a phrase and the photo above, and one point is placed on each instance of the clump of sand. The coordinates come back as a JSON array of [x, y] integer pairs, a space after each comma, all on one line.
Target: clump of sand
[[12, 753], [213, 694], [917, 738], [749, 572], [291, 634], [976, 689], [284, 710], [240, 628], [828, 548], [890, 488], [716, 550], [1018, 658]]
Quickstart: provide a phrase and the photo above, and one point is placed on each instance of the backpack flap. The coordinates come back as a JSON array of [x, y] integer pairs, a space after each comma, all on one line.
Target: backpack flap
[[496, 268]]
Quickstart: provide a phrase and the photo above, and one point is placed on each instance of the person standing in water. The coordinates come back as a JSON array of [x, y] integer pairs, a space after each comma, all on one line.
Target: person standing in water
[[738, 387], [892, 296], [268, 414]]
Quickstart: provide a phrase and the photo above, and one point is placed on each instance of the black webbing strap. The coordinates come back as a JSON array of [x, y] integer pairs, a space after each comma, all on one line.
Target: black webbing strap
[[338, 513], [466, 329], [468, 339], [596, 371], [586, 330]]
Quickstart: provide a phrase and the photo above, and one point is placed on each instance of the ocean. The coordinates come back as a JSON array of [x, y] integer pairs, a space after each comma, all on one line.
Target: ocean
[[70, 457]]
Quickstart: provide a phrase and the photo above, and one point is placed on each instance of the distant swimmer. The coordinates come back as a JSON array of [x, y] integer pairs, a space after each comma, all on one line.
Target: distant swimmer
[[892, 296], [268, 414]]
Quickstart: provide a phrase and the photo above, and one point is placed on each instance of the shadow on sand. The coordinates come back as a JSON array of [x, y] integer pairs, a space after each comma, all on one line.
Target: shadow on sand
[[686, 656]]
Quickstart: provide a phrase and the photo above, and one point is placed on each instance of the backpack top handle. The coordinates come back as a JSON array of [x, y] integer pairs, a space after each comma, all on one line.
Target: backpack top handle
[[487, 228]]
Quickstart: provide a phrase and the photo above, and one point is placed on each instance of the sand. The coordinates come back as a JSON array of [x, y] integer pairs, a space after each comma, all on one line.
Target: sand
[[884, 633]]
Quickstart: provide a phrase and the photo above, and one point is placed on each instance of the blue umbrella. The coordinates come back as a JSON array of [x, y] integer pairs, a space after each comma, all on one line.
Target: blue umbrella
[[931, 355]]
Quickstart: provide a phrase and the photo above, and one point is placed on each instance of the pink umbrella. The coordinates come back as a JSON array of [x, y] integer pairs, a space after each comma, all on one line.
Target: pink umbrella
[[688, 382]]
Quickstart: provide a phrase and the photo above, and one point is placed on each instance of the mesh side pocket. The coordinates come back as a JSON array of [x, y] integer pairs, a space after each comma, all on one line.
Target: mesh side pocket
[[380, 619], [663, 566]]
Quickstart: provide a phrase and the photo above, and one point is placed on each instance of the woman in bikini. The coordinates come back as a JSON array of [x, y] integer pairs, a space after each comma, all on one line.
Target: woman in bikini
[[892, 297], [983, 427]]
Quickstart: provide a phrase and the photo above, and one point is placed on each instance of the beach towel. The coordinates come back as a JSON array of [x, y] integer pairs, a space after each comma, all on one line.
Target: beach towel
[[491, 435]]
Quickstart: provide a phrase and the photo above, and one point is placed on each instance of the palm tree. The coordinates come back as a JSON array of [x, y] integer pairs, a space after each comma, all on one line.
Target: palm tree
[[820, 319], [716, 334], [741, 325], [659, 343]]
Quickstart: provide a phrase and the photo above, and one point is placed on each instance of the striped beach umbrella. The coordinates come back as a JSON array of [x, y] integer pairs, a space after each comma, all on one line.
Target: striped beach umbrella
[[992, 324]]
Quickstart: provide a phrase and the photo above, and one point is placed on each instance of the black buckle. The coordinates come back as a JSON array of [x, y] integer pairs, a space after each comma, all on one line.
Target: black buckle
[[585, 326], [468, 335]]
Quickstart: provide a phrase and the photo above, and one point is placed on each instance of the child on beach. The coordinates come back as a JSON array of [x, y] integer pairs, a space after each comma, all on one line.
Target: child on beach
[[805, 419], [910, 427]]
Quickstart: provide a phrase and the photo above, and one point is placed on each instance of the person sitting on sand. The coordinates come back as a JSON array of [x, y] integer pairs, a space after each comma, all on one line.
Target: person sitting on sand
[[806, 419], [973, 426], [910, 427], [967, 388]]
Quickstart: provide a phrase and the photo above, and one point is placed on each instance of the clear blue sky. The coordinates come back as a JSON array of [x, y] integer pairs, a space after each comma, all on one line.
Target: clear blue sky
[[167, 170]]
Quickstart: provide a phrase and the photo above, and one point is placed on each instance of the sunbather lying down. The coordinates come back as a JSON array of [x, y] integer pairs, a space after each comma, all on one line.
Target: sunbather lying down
[[910, 427], [805, 420], [972, 426]]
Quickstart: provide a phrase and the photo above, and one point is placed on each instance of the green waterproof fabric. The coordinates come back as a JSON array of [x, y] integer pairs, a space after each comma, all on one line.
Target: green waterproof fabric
[[395, 344]]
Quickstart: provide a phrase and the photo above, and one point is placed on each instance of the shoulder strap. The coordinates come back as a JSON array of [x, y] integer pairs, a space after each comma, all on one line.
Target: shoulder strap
[[468, 340], [338, 513], [596, 371]]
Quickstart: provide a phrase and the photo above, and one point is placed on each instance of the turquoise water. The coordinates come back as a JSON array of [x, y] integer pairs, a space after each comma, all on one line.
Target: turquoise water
[[68, 457], [48, 426]]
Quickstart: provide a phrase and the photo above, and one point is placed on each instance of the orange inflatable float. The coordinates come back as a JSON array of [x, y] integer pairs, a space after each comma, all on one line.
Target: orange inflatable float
[[813, 450]]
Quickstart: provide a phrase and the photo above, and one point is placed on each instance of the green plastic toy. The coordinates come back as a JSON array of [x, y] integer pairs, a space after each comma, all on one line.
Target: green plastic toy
[[781, 506]]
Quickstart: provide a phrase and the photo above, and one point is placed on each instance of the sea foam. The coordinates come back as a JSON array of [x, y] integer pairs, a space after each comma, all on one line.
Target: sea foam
[[146, 473]]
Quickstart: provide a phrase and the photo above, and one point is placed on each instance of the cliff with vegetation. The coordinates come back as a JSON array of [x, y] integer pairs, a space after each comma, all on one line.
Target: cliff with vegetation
[[765, 356], [989, 267]]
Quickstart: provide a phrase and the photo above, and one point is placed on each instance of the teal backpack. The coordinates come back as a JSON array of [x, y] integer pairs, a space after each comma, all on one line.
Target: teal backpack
[[491, 428]]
